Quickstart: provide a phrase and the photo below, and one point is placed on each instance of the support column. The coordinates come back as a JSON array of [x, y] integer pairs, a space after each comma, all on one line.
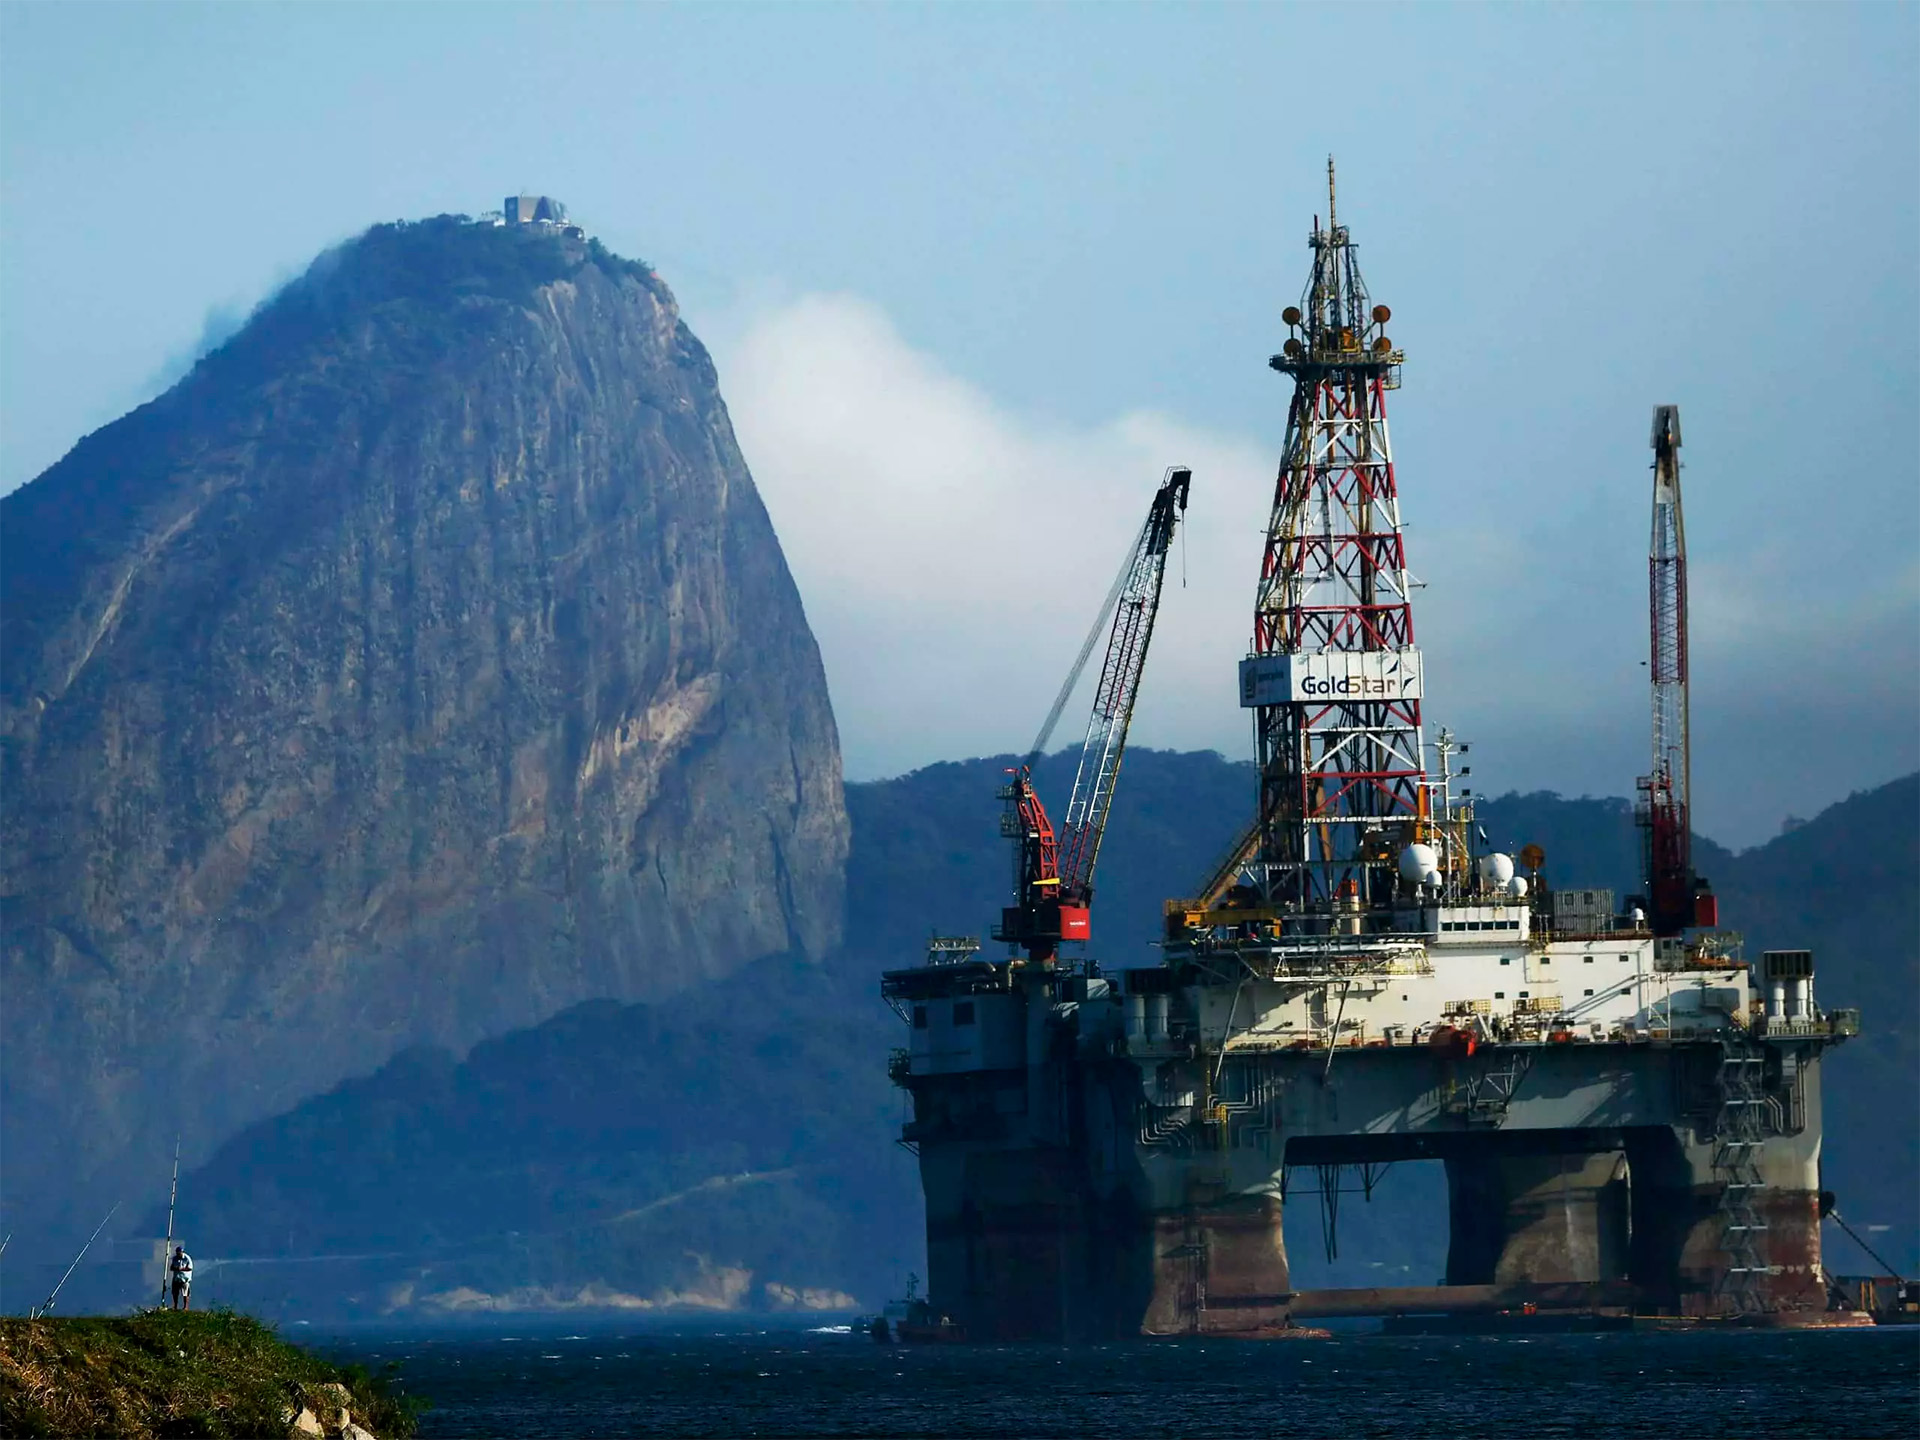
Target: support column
[[1539, 1219], [1682, 1248], [1677, 1259], [1790, 1205], [1010, 1260], [1792, 1250], [1219, 1268]]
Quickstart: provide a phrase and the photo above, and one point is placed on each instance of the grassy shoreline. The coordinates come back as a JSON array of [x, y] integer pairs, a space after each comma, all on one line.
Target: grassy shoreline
[[164, 1373]]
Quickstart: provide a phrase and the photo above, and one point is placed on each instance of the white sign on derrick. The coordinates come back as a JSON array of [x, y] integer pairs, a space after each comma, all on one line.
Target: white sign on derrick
[[1330, 677]]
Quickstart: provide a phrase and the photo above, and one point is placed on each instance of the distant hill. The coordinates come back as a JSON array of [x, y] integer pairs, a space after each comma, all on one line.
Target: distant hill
[[667, 1150], [1847, 886], [730, 1148]]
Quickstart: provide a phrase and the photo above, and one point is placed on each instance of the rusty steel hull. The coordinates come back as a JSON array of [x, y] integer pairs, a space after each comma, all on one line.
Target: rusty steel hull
[[1105, 1195], [1044, 1264]]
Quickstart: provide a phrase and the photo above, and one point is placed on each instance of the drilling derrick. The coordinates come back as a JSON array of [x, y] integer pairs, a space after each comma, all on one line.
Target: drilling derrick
[[1629, 1119], [1678, 898], [1333, 675]]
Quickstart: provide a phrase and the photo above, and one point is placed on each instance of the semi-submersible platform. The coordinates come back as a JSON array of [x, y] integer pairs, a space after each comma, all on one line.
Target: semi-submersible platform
[[1627, 1110]]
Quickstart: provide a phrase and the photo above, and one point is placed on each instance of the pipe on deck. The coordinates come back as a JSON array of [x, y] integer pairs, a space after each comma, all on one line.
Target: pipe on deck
[[1461, 1299]]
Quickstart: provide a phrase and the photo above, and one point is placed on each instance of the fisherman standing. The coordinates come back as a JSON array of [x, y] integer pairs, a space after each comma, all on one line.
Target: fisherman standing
[[180, 1269]]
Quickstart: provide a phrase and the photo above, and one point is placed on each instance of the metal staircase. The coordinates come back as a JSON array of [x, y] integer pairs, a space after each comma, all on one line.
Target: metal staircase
[[1740, 1128], [1481, 1098]]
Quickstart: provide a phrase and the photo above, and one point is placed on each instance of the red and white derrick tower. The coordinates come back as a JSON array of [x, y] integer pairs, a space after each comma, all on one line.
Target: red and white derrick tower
[[1333, 675], [1677, 898]]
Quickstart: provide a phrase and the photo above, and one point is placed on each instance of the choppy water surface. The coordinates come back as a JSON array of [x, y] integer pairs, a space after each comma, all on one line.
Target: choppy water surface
[[790, 1382]]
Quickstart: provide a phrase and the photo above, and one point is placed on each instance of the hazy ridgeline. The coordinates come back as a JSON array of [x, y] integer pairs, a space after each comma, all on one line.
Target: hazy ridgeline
[[740, 1137]]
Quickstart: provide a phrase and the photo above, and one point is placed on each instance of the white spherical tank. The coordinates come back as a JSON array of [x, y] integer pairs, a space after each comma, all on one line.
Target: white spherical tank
[[1517, 887], [1419, 865], [1496, 869]]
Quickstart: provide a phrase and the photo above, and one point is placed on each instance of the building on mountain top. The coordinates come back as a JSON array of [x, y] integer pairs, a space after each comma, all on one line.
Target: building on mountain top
[[540, 210], [536, 210]]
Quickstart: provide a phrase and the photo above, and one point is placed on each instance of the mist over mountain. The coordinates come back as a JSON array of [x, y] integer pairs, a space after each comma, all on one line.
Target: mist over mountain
[[734, 1147], [422, 664]]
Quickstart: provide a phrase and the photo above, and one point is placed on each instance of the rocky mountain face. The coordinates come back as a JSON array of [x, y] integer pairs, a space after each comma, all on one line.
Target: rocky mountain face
[[421, 665]]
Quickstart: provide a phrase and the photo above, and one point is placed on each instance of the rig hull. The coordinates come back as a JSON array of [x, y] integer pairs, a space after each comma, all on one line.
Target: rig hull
[[1627, 1126], [1097, 1184]]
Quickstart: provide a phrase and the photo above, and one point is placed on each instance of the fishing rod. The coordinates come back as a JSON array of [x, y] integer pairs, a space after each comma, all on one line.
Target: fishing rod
[[166, 1256], [48, 1307]]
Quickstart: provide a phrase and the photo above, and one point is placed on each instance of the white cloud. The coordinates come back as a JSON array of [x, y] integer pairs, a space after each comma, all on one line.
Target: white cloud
[[952, 553]]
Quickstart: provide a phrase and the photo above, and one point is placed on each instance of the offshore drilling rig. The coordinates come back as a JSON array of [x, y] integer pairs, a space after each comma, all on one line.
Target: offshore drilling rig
[[1630, 1125]]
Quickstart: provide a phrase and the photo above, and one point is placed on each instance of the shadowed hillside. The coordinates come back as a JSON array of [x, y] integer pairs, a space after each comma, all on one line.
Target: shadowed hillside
[[658, 1154]]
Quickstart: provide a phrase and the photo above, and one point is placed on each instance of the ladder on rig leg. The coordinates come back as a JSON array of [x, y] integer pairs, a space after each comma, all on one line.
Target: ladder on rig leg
[[1739, 1131]]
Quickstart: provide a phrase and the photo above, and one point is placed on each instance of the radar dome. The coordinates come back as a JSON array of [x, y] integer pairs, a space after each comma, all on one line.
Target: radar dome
[[1496, 869], [1419, 865], [1517, 887]]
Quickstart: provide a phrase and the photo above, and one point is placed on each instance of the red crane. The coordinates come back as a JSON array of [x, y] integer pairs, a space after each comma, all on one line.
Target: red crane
[[1053, 875], [1677, 898]]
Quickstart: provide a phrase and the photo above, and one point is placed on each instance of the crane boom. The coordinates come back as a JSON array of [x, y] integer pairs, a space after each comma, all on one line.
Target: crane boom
[[1099, 772], [1677, 898], [1053, 877]]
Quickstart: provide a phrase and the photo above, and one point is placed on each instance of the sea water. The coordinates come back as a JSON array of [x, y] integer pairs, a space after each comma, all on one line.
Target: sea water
[[698, 1382]]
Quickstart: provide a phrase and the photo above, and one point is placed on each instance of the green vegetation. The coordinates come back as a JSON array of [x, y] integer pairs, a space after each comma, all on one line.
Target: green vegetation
[[613, 1143], [166, 1373], [618, 265], [433, 260], [421, 281]]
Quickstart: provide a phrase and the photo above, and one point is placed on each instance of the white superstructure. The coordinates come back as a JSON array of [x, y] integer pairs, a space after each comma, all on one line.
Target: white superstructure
[[1479, 970]]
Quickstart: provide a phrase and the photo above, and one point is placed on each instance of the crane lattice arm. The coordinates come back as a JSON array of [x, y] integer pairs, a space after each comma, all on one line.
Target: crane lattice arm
[[1054, 879], [1099, 772], [1677, 897]]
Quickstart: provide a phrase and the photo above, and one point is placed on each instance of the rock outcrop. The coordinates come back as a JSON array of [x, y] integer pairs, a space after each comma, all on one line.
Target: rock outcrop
[[420, 665]]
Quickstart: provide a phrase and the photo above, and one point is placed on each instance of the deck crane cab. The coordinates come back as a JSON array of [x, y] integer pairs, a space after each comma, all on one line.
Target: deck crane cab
[[1053, 872]]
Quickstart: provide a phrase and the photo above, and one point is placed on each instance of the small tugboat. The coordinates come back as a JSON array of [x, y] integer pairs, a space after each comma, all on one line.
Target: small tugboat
[[913, 1321]]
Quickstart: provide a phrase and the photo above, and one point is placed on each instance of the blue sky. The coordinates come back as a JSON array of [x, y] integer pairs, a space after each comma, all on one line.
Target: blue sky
[[974, 275]]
